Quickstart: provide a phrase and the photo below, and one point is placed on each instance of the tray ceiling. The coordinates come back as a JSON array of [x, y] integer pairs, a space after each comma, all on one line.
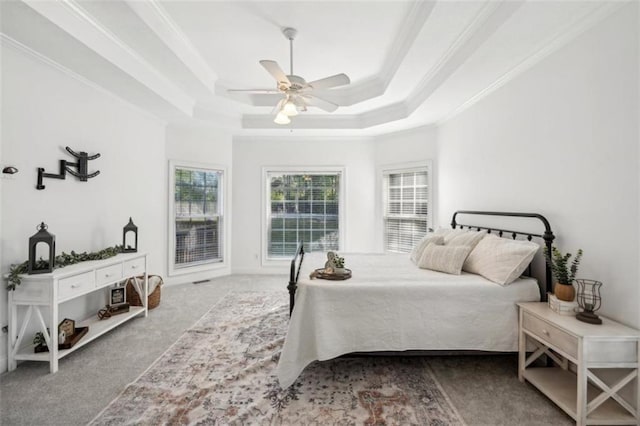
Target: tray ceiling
[[410, 63]]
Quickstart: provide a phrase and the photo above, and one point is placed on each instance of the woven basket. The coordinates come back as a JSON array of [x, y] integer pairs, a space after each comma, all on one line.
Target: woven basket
[[134, 298]]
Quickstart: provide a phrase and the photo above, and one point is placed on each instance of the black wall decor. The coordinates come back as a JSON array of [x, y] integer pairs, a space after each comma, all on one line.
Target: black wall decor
[[130, 227], [82, 167], [42, 236]]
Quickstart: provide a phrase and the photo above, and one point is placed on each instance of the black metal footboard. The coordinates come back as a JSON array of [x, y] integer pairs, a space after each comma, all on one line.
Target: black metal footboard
[[293, 275]]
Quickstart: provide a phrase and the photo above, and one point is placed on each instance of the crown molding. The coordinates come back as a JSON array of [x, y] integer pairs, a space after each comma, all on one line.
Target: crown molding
[[486, 22], [549, 46], [331, 122], [73, 19], [158, 20], [295, 138], [10, 42]]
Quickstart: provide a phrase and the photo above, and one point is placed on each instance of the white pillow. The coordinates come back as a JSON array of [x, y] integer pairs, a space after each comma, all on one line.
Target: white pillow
[[500, 260], [447, 259], [430, 238], [467, 238], [449, 233]]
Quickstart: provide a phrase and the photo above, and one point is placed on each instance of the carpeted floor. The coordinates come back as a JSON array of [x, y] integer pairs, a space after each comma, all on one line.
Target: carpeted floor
[[484, 389]]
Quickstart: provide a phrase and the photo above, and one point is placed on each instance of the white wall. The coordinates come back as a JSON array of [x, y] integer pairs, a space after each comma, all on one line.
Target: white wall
[[562, 140], [251, 154], [207, 146], [416, 146], [45, 110]]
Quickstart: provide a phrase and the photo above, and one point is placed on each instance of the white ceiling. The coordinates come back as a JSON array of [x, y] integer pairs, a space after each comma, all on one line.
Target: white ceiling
[[410, 63]]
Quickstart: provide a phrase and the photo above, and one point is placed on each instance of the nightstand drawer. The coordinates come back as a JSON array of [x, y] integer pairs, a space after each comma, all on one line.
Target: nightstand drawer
[[108, 274], [551, 334], [76, 285]]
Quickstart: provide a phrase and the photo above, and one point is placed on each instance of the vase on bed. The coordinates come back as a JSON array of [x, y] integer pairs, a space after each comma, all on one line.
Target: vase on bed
[[564, 292]]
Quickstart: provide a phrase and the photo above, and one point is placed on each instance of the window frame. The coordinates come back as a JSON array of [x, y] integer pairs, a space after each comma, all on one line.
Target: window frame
[[266, 207], [426, 165], [222, 218]]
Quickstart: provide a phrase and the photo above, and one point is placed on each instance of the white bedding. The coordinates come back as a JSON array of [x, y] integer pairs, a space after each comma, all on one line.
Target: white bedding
[[392, 305]]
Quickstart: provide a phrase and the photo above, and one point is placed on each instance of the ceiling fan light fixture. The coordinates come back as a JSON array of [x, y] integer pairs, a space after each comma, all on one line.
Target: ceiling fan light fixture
[[282, 118], [290, 109]]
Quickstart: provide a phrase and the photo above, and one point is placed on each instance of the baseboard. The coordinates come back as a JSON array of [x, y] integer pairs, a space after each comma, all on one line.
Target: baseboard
[[4, 365], [198, 276], [260, 271]]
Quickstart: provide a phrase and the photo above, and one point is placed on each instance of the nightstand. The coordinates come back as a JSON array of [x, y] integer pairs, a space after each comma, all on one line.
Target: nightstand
[[595, 376]]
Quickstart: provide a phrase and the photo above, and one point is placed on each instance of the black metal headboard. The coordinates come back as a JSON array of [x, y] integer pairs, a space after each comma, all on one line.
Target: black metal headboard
[[547, 236]]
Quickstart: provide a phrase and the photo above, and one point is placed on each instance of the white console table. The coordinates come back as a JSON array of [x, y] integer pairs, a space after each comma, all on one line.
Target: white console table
[[63, 284]]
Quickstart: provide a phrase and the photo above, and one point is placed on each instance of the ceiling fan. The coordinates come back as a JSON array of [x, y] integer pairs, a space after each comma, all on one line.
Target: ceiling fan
[[297, 93]]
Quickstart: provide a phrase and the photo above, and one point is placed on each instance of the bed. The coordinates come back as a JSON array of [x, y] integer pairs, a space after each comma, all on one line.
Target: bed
[[392, 305]]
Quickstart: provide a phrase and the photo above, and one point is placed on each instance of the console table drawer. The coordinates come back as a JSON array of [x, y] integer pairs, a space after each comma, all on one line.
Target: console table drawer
[[133, 267], [551, 334], [71, 287], [108, 274]]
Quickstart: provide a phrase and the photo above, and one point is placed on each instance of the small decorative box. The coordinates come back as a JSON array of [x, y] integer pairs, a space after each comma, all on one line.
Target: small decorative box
[[561, 307]]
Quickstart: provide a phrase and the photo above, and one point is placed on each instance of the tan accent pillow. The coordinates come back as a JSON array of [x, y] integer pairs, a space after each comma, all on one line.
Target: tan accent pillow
[[445, 258], [467, 238], [500, 260], [430, 238]]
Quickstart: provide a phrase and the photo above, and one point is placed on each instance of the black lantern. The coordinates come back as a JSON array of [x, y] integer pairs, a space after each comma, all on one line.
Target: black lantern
[[589, 301], [41, 266], [130, 227]]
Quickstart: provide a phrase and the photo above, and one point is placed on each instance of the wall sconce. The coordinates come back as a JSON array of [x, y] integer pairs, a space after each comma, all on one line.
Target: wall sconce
[[589, 301], [130, 228], [9, 170], [41, 266]]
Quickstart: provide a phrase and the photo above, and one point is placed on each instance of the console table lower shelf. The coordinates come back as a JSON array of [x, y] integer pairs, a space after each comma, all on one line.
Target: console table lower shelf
[[97, 328]]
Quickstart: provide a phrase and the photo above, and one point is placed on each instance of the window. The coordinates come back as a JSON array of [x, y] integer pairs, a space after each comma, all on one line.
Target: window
[[196, 218], [302, 206], [406, 208]]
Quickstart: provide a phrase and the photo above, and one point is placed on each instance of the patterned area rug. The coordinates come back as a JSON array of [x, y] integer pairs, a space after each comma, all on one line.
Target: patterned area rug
[[222, 371]]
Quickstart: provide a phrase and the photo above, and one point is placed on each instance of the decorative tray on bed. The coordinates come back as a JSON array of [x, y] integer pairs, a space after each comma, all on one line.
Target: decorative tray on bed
[[320, 273]]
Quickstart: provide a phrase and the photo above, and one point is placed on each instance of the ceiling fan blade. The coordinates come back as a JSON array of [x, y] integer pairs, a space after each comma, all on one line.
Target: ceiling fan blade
[[320, 103], [260, 91], [328, 82], [274, 69]]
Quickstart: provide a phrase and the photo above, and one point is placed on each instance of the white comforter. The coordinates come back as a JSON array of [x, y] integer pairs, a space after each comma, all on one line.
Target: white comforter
[[392, 305]]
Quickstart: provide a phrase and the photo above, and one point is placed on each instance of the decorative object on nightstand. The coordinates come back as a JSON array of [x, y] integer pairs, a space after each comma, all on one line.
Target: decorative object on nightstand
[[560, 306], [564, 274], [40, 266], [130, 230], [589, 300]]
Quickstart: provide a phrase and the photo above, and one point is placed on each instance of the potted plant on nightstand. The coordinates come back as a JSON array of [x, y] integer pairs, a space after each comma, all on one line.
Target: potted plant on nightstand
[[563, 271]]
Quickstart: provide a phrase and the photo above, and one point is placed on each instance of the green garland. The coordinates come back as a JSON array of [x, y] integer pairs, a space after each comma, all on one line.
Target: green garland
[[61, 261]]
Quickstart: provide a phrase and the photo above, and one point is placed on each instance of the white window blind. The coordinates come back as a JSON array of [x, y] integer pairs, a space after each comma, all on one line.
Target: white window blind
[[406, 209], [302, 207], [197, 216]]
